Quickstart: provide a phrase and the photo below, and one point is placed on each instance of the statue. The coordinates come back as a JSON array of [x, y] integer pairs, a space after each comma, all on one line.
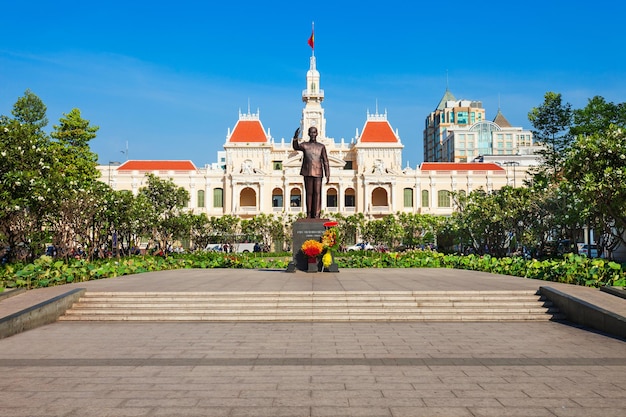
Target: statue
[[314, 168]]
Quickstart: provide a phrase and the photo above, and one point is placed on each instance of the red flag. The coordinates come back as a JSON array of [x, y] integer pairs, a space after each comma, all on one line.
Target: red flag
[[312, 40]]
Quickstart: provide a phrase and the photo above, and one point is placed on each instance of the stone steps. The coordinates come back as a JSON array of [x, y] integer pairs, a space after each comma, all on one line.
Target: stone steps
[[331, 306]]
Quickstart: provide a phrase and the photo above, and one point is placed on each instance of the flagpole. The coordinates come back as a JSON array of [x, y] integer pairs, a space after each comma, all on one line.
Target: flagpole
[[312, 39], [313, 34]]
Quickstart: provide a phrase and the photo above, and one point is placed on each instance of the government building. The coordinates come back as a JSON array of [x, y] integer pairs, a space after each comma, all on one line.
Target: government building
[[256, 174]]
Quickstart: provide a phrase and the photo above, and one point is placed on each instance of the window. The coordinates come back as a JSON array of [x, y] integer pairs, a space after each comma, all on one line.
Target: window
[[350, 198], [379, 197], [443, 198], [331, 198], [408, 197], [200, 198], [218, 197], [247, 197], [461, 117], [277, 197], [277, 165], [295, 199], [425, 202], [277, 201], [348, 165]]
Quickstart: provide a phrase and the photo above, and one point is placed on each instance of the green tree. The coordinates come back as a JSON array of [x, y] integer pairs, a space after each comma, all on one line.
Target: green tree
[[350, 227], [25, 166], [597, 117], [73, 184], [266, 226], [494, 222], [30, 110], [165, 203], [385, 231], [596, 167], [417, 229], [551, 123], [225, 229]]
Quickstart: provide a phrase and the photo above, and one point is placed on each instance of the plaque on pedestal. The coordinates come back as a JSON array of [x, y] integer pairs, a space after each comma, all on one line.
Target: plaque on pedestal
[[303, 230]]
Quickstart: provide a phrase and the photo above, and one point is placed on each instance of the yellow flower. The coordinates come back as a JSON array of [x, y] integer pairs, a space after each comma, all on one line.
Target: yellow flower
[[327, 259]]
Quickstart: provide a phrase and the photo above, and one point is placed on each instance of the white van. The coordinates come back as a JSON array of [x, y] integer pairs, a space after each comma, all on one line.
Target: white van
[[234, 248]]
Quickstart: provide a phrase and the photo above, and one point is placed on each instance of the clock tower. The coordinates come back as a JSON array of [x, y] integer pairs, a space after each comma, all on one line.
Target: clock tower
[[313, 113]]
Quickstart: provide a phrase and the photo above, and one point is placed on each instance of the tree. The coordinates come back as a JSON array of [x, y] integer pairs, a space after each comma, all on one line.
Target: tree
[[30, 110], [597, 117], [73, 184], [596, 167], [350, 227], [417, 228], [494, 222], [165, 202], [385, 231], [264, 226], [551, 122], [25, 169]]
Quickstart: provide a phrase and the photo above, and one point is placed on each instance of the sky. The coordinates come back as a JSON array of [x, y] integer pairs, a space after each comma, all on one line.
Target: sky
[[167, 80]]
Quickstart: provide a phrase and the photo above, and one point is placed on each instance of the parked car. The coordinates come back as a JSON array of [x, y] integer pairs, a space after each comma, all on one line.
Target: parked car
[[360, 246], [213, 247], [583, 249]]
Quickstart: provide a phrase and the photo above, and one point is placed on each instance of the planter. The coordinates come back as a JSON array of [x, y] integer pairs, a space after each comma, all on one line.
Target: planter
[[312, 264]]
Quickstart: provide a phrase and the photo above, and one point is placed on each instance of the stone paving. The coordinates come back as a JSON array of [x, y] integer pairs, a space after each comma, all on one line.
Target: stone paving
[[75, 369]]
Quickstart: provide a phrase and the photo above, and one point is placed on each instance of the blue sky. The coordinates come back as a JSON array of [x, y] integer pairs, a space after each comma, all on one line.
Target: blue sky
[[169, 78]]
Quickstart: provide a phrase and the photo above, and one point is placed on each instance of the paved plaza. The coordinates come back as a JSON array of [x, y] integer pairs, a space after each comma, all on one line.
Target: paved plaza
[[395, 369]]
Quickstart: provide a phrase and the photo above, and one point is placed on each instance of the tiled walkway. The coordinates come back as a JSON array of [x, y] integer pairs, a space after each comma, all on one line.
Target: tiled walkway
[[312, 369]]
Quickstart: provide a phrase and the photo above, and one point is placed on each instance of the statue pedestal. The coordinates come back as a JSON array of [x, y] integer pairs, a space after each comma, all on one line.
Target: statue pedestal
[[303, 230]]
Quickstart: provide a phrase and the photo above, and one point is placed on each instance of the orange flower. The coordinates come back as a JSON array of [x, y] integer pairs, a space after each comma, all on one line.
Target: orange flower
[[312, 248]]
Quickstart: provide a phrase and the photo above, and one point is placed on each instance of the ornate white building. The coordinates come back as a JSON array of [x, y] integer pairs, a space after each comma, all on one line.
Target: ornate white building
[[259, 175]]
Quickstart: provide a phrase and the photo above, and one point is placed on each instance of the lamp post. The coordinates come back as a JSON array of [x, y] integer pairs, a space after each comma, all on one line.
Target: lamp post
[[513, 164], [112, 163]]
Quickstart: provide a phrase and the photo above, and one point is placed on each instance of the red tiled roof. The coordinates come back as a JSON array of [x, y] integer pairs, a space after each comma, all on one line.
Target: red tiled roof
[[248, 131], [378, 131], [157, 166], [460, 166]]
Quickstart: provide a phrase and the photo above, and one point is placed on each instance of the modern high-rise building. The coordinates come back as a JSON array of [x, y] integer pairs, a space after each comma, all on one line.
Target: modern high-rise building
[[457, 131]]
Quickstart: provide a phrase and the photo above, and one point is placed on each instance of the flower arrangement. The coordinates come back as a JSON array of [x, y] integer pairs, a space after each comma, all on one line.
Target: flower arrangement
[[330, 239], [330, 242], [312, 248]]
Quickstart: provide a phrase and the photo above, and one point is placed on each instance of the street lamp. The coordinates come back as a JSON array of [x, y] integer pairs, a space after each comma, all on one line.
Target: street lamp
[[513, 164], [112, 163]]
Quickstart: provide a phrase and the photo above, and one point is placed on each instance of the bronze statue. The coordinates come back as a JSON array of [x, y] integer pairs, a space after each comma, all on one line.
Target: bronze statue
[[314, 168]]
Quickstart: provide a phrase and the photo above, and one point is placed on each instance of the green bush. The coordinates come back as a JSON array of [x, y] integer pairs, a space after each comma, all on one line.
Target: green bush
[[571, 269]]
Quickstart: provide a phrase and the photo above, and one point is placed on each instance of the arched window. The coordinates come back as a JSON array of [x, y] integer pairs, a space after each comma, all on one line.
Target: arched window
[[247, 198], [350, 198], [379, 197], [408, 197], [331, 198], [200, 198], [443, 198], [218, 197], [295, 198], [425, 198], [277, 197]]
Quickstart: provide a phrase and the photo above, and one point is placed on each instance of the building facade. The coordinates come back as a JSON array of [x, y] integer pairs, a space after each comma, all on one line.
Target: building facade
[[457, 131], [256, 174]]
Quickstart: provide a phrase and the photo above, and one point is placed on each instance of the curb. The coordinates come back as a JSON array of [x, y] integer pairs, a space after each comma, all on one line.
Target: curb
[[38, 315], [586, 314]]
